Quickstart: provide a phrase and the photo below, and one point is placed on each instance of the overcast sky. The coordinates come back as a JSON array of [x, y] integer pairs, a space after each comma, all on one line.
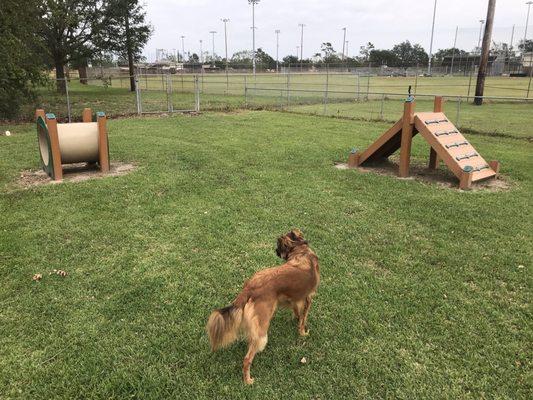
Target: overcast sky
[[382, 22]]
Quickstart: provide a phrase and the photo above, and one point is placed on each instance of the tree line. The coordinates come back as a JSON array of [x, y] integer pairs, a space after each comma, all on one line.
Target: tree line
[[50, 34]]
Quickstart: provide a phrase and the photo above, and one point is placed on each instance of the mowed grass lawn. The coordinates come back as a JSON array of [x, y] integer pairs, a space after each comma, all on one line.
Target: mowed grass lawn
[[425, 291]]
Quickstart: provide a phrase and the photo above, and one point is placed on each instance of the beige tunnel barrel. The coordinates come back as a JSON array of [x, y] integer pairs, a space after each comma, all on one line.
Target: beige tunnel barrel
[[78, 142]]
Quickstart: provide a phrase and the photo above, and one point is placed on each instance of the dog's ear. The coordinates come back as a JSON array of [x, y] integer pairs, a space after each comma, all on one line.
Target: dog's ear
[[296, 235]]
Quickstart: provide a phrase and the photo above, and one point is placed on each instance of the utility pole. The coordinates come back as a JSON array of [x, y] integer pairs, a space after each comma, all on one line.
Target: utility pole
[[343, 42], [277, 31], [482, 21], [301, 47], [213, 52], [478, 100], [182, 49], [431, 41], [453, 51], [347, 51], [253, 3]]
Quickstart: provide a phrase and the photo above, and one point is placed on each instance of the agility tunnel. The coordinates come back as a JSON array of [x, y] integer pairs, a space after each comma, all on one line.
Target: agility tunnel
[[71, 143], [445, 140]]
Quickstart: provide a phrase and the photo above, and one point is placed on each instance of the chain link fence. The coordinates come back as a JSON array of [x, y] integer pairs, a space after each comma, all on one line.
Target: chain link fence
[[507, 108]]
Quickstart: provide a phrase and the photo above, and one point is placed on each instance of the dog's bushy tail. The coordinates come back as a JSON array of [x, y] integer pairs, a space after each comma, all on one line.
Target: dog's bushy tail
[[223, 326]]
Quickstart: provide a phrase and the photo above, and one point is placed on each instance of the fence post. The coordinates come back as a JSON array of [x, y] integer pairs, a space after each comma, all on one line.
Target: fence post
[[326, 91], [367, 87], [358, 86], [458, 112], [416, 82], [68, 100], [246, 97], [470, 82], [289, 88], [138, 94], [530, 76], [197, 93], [169, 94], [381, 109]]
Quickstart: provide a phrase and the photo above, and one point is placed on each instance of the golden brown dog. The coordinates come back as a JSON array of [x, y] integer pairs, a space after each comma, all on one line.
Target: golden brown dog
[[290, 285]]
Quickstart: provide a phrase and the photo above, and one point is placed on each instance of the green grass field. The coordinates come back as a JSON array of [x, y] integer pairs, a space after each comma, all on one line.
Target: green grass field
[[425, 292]]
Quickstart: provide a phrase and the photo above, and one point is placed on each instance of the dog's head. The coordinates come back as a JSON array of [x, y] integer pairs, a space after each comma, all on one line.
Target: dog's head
[[288, 242]]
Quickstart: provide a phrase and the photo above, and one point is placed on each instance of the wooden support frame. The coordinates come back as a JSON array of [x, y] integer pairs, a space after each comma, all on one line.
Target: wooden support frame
[[51, 123], [407, 138], [103, 143], [433, 157], [47, 125], [445, 141], [87, 115]]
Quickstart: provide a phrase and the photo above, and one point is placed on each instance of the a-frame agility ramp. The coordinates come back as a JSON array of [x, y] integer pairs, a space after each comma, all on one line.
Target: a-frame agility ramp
[[447, 144]]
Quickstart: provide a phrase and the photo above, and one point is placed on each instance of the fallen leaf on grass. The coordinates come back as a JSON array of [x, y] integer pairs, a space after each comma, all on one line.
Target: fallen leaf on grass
[[37, 277]]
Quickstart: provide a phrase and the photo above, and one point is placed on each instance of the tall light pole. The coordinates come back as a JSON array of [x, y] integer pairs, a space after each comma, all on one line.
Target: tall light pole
[[343, 42], [201, 52], [277, 31], [213, 42], [253, 3], [509, 48], [527, 19], [453, 51], [301, 46], [431, 40], [347, 51], [481, 21], [183, 48], [226, 20]]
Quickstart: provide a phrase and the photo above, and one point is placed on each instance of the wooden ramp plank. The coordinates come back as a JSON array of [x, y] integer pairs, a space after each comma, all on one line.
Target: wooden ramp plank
[[450, 145], [384, 146]]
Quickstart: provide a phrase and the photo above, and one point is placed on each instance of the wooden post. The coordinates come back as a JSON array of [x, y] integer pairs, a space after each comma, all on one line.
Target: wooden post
[[433, 157], [103, 148], [495, 165], [40, 113], [407, 138], [87, 115], [353, 159], [51, 123], [466, 180]]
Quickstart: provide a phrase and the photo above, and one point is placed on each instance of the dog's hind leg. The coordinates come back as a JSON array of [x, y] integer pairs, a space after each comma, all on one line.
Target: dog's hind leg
[[257, 319], [297, 308], [303, 317]]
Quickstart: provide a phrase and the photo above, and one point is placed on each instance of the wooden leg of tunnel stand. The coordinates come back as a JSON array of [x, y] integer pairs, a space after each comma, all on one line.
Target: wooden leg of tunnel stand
[[40, 113], [407, 138], [466, 180], [433, 157], [51, 123], [87, 115], [103, 149]]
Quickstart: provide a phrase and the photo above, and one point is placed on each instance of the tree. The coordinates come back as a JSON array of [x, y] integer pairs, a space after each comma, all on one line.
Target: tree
[[364, 52], [330, 56], [525, 46], [444, 53], [383, 57], [265, 59], [240, 58], [288, 60], [126, 32], [409, 55], [21, 61], [68, 28]]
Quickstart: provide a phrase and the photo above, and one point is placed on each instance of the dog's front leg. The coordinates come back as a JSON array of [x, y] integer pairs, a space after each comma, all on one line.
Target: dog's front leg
[[303, 317]]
